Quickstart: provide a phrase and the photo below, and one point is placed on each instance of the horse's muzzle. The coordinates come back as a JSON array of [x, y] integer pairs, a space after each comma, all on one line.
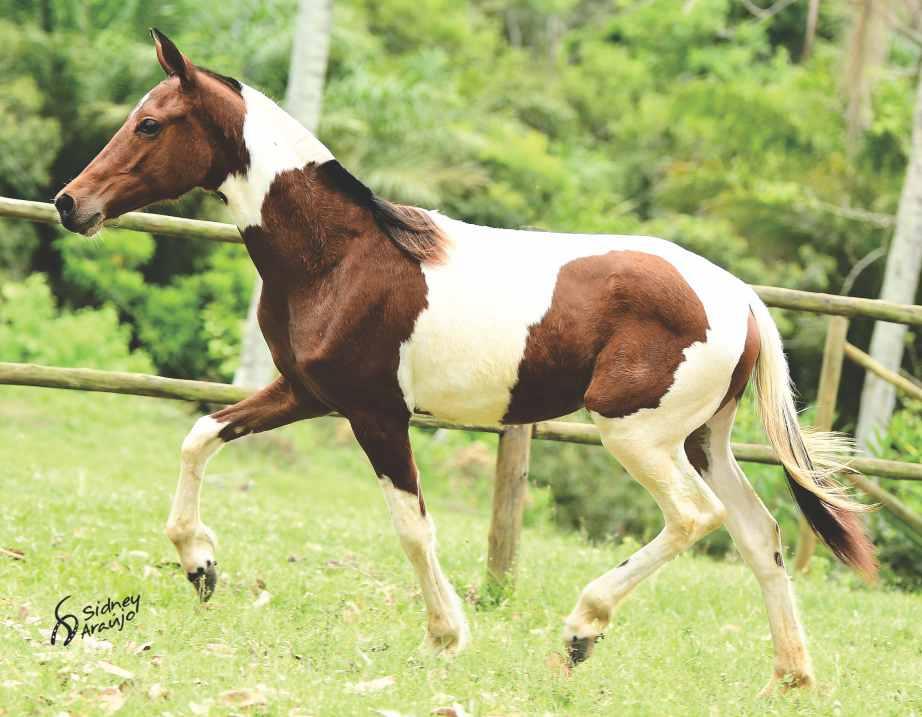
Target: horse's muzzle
[[75, 220]]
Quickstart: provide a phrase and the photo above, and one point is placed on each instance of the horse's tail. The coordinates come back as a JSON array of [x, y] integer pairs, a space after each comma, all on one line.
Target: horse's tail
[[810, 458]]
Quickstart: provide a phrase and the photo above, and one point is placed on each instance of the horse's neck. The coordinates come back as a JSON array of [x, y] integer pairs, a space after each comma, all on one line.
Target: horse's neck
[[276, 143]]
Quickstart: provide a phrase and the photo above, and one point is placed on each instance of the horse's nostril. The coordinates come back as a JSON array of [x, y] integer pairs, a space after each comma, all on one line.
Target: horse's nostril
[[65, 205]]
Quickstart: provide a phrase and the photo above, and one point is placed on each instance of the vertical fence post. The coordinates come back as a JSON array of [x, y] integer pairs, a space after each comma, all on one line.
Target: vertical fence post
[[830, 377], [509, 492]]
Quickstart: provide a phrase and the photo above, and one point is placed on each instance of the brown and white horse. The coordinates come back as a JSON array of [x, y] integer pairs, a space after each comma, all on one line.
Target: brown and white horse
[[377, 310]]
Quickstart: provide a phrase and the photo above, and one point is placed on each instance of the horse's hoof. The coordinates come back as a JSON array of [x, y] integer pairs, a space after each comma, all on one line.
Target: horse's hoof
[[448, 645], [580, 648], [204, 580]]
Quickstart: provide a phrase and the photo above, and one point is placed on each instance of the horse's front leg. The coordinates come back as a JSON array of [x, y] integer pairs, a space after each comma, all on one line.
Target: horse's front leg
[[275, 405], [386, 442]]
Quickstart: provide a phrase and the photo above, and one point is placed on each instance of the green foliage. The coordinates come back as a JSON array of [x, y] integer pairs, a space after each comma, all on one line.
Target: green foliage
[[900, 548], [190, 326], [33, 329]]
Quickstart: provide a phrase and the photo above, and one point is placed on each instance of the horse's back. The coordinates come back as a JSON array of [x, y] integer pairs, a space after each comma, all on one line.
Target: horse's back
[[518, 324]]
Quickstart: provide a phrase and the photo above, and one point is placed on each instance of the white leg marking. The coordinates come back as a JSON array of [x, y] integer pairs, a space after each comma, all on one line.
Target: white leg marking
[[758, 540], [195, 542], [690, 511], [447, 630]]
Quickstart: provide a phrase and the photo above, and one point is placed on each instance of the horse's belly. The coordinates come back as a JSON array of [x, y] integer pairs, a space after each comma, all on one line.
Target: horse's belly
[[463, 372]]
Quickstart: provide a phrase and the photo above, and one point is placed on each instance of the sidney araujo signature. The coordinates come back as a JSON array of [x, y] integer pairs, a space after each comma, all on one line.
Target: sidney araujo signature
[[98, 617]]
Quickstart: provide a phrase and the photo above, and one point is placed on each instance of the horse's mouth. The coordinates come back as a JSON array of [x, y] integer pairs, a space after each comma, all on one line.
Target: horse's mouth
[[88, 227]]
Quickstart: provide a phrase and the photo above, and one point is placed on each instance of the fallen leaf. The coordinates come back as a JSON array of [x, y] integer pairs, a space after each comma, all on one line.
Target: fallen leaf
[[200, 708], [219, 649], [244, 697], [372, 686], [136, 649], [263, 599], [114, 670], [150, 571], [111, 699], [156, 691], [456, 710]]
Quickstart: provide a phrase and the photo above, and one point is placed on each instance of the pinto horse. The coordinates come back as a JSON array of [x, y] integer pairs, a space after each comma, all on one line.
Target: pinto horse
[[376, 310]]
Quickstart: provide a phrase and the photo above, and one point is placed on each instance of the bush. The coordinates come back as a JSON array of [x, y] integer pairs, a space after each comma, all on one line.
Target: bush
[[190, 325], [900, 550], [33, 329]]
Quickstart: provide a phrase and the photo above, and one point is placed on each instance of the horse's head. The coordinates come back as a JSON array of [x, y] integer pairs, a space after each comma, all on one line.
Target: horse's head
[[185, 133]]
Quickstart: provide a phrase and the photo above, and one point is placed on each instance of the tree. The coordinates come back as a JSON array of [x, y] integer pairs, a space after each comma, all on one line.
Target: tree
[[901, 281], [303, 100], [867, 49]]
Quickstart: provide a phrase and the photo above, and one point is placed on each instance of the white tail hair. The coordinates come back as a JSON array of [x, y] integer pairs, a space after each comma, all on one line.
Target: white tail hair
[[811, 458]]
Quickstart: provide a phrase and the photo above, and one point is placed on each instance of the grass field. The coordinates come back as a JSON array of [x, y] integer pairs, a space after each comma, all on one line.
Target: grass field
[[317, 612]]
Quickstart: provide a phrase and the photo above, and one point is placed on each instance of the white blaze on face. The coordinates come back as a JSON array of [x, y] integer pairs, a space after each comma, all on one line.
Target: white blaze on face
[[140, 103], [461, 362], [276, 143]]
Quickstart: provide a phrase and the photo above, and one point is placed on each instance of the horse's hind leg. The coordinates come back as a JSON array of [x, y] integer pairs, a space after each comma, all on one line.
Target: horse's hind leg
[[275, 405], [690, 509], [758, 540]]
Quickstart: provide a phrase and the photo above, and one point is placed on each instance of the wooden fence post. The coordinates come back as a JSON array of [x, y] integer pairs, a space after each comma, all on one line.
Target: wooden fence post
[[509, 492], [830, 376]]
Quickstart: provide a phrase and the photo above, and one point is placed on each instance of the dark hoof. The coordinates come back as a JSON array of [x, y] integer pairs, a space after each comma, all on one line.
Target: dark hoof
[[204, 580], [579, 648]]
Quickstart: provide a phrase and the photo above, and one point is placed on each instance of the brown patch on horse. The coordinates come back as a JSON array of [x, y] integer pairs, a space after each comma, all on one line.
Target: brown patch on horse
[[746, 363], [333, 280], [696, 448], [611, 340]]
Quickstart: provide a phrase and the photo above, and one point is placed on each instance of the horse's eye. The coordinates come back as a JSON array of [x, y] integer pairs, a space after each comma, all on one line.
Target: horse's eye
[[148, 127]]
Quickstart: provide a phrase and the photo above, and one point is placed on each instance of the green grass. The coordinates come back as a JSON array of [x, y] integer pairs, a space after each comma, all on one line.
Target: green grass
[[86, 487]]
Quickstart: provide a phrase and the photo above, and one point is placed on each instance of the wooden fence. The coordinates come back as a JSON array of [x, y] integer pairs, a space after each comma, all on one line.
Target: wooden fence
[[514, 441]]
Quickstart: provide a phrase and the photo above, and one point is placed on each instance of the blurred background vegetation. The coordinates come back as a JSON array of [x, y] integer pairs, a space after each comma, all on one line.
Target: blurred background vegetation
[[707, 122]]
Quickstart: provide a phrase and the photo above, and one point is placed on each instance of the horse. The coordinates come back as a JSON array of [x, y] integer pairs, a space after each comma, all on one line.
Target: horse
[[375, 310]]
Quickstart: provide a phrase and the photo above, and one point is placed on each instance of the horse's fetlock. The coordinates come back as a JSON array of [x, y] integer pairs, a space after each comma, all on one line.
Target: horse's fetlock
[[178, 532]]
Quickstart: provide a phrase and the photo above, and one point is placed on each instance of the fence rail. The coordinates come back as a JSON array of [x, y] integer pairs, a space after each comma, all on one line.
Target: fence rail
[[140, 384], [513, 457]]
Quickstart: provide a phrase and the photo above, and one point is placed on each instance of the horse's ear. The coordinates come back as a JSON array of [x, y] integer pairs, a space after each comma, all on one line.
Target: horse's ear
[[171, 59]]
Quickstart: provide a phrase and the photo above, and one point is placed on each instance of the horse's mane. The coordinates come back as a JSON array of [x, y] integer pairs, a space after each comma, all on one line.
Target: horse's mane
[[410, 228], [234, 84]]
